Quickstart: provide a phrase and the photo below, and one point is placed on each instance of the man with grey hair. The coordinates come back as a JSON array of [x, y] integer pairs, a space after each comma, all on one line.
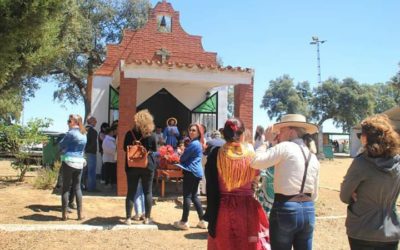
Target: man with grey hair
[[292, 217], [216, 141]]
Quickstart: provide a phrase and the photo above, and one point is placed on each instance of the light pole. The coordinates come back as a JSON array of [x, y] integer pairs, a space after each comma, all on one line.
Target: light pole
[[316, 41]]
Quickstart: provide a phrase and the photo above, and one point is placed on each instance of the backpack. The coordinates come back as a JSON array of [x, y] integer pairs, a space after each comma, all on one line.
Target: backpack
[[136, 154]]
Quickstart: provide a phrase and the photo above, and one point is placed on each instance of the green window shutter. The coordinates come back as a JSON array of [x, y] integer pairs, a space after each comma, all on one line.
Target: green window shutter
[[208, 106], [114, 99]]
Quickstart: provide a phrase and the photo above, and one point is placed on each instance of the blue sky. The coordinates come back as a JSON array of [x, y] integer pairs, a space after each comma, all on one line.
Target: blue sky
[[273, 38]]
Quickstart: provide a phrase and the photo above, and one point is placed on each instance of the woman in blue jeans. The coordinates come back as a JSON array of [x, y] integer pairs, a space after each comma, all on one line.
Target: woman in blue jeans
[[292, 216], [72, 147], [190, 161]]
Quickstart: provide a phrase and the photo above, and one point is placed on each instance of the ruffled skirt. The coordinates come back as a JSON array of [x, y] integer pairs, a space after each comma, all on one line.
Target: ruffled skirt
[[241, 224]]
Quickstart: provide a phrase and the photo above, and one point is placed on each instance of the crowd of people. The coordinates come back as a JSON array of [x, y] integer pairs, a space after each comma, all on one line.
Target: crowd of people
[[261, 190]]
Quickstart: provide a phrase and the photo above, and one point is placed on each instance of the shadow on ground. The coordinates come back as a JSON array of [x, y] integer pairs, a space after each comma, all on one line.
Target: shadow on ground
[[197, 236], [44, 208], [40, 217], [97, 221]]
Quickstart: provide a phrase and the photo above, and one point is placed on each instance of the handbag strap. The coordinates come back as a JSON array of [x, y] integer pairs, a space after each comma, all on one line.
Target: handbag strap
[[306, 161], [134, 137]]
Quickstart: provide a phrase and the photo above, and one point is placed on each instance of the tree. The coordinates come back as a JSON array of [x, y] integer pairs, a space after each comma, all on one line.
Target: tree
[[10, 105], [394, 82], [324, 102], [20, 141], [385, 96], [102, 22], [31, 38], [354, 104], [281, 97]]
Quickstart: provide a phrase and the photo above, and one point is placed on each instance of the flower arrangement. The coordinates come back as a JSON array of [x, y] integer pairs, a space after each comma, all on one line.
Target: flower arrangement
[[167, 155]]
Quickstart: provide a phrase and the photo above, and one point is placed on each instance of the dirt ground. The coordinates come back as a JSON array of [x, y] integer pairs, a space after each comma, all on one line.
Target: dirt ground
[[22, 204]]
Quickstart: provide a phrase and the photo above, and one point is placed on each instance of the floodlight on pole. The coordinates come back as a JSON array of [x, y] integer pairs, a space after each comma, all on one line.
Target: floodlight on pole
[[316, 41]]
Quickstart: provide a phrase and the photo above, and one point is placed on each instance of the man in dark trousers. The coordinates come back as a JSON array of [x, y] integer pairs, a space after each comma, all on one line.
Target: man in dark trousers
[[90, 152]]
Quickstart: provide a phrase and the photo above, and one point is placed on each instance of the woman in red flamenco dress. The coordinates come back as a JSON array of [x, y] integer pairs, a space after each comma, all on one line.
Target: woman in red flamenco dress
[[236, 219]]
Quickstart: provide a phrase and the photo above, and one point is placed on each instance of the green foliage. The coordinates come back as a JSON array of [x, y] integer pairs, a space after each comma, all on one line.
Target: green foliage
[[282, 97], [47, 177], [384, 94], [100, 22], [20, 141], [32, 39], [354, 104], [324, 102], [10, 105], [346, 102]]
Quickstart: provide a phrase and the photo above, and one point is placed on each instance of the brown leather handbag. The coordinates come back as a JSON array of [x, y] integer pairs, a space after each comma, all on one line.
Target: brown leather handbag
[[136, 154]]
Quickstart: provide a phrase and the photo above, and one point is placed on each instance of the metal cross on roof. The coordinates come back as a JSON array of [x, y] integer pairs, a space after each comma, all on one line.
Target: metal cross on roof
[[163, 53]]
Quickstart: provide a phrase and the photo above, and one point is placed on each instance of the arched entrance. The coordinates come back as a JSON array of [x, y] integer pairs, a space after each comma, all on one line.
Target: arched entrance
[[163, 105]]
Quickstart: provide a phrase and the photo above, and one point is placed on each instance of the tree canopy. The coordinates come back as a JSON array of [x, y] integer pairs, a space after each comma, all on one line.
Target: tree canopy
[[347, 102], [61, 40], [102, 22], [283, 97], [31, 38]]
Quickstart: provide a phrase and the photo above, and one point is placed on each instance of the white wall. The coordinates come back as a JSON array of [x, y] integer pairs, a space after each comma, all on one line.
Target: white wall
[[222, 105], [189, 95], [355, 143], [100, 95]]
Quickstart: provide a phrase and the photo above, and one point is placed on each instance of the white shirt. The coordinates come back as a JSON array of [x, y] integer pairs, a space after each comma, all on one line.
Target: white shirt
[[259, 142], [289, 167], [109, 149]]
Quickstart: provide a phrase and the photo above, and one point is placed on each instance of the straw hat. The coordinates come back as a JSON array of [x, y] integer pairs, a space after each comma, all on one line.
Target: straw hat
[[172, 119], [296, 120]]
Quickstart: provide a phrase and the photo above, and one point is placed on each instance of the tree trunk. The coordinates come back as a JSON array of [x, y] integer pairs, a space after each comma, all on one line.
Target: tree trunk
[[321, 154]]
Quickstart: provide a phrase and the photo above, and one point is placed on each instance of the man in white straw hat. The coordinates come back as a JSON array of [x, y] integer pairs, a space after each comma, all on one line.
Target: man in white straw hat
[[292, 216]]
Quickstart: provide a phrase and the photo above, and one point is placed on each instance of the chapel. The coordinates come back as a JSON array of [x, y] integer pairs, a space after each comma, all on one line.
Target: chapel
[[162, 68]]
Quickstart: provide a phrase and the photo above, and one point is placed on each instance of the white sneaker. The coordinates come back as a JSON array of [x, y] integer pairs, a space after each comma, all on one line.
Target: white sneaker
[[136, 217], [128, 221], [147, 221], [202, 224], [181, 225]]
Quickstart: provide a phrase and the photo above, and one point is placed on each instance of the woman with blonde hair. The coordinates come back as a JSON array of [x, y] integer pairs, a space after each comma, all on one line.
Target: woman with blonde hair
[[142, 131], [371, 188], [72, 147]]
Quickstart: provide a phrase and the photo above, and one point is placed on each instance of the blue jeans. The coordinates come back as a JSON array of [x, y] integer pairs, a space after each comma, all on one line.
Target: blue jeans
[[139, 200], [91, 171], [292, 224]]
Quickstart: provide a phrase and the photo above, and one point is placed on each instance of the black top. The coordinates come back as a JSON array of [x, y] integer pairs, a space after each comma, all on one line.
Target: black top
[[212, 190], [91, 144], [149, 143]]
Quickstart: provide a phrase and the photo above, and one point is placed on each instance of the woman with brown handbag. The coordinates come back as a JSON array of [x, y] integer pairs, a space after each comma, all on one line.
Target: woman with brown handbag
[[142, 131]]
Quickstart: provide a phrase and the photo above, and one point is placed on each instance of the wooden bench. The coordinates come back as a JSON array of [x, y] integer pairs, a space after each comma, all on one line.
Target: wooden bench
[[167, 173]]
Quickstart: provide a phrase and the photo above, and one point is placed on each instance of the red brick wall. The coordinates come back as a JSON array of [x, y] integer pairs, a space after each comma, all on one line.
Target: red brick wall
[[143, 43], [127, 109], [243, 103]]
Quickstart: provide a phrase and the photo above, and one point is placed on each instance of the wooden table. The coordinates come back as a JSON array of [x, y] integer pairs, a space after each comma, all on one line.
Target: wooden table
[[166, 173]]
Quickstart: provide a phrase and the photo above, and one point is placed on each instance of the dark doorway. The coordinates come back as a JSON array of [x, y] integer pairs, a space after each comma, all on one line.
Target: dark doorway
[[163, 105]]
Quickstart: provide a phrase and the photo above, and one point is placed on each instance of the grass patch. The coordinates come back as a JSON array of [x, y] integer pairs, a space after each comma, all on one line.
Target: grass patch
[[47, 177]]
